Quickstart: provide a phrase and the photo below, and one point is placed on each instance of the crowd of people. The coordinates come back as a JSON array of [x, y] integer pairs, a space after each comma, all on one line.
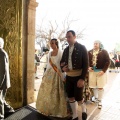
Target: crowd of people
[[115, 62], [72, 77]]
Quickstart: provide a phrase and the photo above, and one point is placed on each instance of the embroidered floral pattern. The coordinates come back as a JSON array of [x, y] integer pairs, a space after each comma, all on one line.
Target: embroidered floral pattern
[[94, 59], [51, 99]]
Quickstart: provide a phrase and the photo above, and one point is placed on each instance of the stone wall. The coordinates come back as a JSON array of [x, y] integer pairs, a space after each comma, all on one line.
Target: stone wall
[[17, 27]]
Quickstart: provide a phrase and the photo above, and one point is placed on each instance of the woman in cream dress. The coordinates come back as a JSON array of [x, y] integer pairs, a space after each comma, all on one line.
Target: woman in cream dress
[[51, 99]]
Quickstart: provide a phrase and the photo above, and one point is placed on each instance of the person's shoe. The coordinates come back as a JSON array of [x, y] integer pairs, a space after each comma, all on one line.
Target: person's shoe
[[94, 100], [2, 117], [11, 111], [84, 116], [75, 118], [70, 118], [99, 105], [37, 77]]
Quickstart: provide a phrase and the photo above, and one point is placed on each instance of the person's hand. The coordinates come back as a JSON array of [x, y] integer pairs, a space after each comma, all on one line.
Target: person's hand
[[42, 76], [90, 69], [100, 73], [65, 68], [80, 83], [64, 80], [62, 64]]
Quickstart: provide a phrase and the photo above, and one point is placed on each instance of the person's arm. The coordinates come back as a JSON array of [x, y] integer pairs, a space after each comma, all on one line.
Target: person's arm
[[107, 61], [62, 61], [84, 63], [47, 62], [90, 67], [81, 81], [115, 57], [2, 70]]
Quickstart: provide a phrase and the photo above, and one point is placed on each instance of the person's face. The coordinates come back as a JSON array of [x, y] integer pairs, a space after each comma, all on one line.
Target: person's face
[[70, 38], [1, 45], [96, 45], [53, 45]]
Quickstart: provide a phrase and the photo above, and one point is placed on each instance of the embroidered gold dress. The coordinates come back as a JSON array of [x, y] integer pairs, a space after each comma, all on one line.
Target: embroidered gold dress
[[51, 98]]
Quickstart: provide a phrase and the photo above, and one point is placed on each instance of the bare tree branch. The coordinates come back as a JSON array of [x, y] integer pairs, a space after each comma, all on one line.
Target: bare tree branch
[[43, 33]]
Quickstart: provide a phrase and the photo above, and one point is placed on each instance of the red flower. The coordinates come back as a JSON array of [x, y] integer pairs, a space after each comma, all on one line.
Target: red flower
[[117, 60]]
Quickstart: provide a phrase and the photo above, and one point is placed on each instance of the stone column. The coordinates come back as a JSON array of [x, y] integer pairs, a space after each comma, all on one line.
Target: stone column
[[29, 49]]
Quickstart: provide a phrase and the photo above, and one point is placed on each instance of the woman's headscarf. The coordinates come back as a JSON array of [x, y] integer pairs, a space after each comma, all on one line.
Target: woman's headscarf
[[101, 45]]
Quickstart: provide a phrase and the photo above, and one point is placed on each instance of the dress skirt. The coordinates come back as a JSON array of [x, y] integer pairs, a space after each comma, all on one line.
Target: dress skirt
[[51, 100]]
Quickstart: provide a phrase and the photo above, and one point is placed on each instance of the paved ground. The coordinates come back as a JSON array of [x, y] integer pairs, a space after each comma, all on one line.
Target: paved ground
[[111, 100]]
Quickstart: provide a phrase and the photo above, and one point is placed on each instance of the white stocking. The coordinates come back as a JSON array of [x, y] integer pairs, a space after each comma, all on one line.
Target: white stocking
[[100, 94], [95, 91], [74, 107]]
